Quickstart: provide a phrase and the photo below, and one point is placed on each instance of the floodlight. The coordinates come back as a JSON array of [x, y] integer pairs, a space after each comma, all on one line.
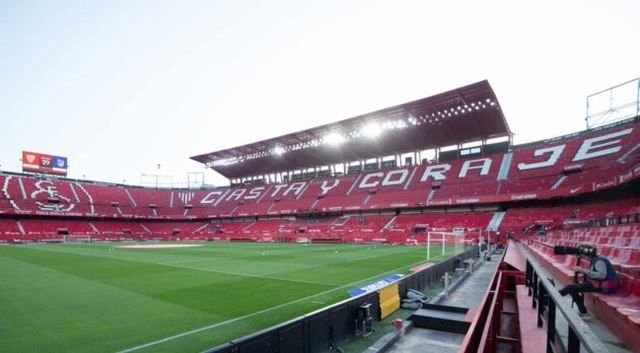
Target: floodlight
[[334, 139], [278, 150], [371, 130]]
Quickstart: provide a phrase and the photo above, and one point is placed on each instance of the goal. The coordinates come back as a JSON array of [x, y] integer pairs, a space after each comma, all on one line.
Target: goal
[[77, 238], [442, 243]]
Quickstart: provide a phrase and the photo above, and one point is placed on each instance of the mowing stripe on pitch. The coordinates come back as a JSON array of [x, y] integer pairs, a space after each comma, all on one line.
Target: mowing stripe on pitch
[[267, 251], [249, 275], [187, 333]]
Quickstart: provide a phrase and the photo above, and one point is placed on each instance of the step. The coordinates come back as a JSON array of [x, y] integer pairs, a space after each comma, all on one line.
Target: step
[[441, 317]]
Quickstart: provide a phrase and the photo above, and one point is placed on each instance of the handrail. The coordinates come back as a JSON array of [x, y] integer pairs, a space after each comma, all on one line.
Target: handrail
[[488, 331], [580, 334]]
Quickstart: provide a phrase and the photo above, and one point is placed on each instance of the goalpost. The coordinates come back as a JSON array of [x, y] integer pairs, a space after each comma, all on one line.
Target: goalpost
[[77, 238], [440, 240]]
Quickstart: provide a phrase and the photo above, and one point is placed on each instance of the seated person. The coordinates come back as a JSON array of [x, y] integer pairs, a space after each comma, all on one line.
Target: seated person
[[599, 277]]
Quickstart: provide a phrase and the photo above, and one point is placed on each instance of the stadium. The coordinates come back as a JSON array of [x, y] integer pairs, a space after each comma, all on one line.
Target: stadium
[[323, 231], [359, 176]]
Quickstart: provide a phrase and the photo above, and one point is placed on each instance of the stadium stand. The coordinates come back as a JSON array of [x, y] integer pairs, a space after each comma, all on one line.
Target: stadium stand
[[587, 162], [531, 219], [620, 244], [442, 221], [51, 227]]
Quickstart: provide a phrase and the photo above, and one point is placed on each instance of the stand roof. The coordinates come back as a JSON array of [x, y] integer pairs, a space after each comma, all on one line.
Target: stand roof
[[466, 114]]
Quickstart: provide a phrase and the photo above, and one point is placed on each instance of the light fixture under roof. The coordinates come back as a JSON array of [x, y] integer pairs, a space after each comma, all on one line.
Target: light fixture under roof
[[371, 130], [334, 139], [278, 150]]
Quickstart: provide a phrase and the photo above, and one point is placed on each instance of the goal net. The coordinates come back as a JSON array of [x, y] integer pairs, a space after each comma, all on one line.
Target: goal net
[[77, 238], [441, 244]]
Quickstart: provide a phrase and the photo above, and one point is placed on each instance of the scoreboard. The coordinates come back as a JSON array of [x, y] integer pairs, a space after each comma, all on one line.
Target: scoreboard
[[43, 163]]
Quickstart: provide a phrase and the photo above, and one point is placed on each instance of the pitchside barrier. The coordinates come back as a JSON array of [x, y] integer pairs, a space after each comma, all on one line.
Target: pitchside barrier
[[389, 300], [329, 327]]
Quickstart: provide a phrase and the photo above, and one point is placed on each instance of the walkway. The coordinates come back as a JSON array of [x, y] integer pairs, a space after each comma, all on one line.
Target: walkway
[[468, 295]]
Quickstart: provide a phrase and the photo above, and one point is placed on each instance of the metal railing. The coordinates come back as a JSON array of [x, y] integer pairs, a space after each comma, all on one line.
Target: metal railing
[[549, 304]]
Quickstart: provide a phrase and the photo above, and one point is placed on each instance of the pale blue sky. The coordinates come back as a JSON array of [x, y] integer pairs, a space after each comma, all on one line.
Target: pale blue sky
[[119, 86]]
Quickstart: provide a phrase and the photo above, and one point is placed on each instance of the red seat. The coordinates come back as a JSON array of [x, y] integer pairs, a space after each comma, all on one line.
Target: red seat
[[634, 257], [620, 241], [634, 242], [626, 288], [604, 250]]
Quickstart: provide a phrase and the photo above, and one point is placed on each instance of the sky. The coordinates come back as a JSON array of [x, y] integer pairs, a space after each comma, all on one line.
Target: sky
[[119, 87]]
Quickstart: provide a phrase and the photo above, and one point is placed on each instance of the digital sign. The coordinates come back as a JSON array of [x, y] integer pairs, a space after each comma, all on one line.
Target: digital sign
[[43, 163]]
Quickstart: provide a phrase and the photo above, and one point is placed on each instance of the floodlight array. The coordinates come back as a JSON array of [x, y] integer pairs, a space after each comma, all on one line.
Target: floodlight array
[[370, 130]]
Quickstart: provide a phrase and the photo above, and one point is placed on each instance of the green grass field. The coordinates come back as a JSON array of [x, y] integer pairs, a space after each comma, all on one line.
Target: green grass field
[[94, 298]]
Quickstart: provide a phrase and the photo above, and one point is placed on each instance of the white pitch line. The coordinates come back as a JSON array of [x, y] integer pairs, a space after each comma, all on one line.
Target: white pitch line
[[187, 333], [199, 260], [370, 257], [249, 275], [184, 261]]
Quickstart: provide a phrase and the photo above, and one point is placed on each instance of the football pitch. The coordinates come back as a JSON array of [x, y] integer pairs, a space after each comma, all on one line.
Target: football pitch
[[98, 298]]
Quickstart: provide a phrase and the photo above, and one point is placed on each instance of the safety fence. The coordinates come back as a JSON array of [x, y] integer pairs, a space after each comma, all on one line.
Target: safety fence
[[549, 305], [564, 331]]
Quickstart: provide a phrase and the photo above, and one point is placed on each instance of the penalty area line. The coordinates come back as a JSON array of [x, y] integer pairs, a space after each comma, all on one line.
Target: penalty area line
[[239, 318]]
